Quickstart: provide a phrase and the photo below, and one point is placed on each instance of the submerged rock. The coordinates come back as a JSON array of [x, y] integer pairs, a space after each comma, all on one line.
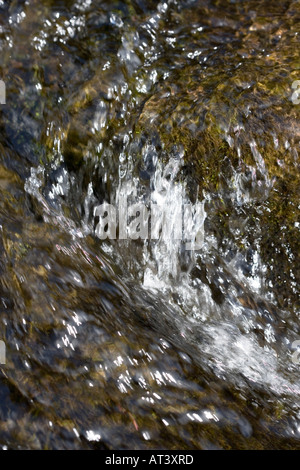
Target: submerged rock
[[98, 93], [234, 117]]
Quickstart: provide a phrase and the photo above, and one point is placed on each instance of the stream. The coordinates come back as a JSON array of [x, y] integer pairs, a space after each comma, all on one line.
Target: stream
[[171, 331]]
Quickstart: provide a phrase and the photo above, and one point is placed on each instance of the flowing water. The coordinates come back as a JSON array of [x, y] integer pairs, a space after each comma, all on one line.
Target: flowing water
[[158, 342]]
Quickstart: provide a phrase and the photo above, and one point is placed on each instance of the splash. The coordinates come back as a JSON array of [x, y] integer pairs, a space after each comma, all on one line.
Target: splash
[[176, 225]]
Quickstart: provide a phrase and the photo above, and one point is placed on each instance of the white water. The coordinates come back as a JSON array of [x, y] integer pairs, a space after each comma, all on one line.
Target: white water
[[230, 345], [229, 342]]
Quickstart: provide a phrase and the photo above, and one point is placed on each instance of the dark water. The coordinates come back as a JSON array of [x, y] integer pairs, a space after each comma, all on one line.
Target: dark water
[[144, 345]]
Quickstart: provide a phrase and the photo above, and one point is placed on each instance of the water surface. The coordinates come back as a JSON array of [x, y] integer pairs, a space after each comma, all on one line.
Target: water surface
[[128, 344]]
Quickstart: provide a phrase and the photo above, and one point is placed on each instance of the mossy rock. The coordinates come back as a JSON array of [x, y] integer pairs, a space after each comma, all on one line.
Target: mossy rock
[[240, 134]]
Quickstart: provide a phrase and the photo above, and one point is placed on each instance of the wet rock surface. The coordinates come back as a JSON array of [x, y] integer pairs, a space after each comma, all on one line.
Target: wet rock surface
[[99, 95]]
